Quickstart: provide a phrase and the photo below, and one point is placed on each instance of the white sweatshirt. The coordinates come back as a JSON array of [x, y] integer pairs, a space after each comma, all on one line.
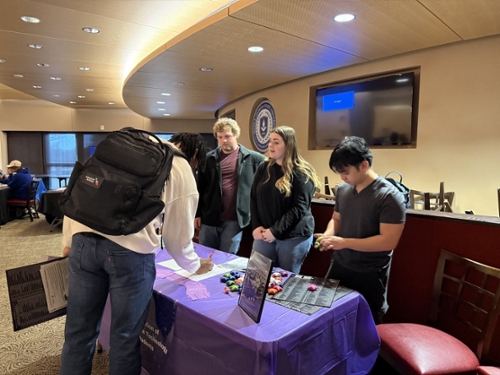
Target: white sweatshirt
[[181, 200]]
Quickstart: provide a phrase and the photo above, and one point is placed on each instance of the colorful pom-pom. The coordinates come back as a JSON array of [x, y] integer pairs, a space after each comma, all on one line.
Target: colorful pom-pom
[[312, 287]]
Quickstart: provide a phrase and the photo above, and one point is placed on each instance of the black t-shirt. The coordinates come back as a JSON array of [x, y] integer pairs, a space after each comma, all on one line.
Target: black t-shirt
[[360, 217]]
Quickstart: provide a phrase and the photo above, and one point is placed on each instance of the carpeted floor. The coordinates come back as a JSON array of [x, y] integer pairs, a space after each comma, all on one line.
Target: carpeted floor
[[37, 349]]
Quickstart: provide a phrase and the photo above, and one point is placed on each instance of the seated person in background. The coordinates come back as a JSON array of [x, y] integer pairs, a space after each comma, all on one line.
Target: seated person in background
[[18, 179], [194, 147], [280, 203]]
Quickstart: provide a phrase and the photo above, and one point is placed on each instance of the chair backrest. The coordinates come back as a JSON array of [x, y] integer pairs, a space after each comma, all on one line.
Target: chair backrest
[[441, 201], [498, 192], [32, 190], [465, 301]]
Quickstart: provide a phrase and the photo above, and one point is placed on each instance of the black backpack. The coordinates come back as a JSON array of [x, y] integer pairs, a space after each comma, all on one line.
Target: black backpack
[[400, 187], [117, 191]]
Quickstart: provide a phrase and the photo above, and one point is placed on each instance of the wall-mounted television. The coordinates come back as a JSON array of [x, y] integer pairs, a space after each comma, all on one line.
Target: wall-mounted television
[[381, 109]]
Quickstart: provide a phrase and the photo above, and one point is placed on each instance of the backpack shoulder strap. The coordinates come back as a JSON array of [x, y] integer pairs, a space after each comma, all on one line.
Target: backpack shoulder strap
[[394, 171]]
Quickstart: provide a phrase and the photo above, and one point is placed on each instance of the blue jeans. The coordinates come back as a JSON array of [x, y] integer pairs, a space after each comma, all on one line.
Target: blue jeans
[[226, 237], [98, 266], [288, 254]]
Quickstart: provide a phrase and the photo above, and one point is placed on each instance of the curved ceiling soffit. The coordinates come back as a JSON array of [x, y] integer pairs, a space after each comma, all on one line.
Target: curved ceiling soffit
[[134, 91]]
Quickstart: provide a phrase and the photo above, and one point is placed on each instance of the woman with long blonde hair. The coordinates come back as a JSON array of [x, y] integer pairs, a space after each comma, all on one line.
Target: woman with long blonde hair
[[281, 195]]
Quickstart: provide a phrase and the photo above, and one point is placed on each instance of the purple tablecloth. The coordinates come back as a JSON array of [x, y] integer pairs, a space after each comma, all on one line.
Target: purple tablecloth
[[214, 336]]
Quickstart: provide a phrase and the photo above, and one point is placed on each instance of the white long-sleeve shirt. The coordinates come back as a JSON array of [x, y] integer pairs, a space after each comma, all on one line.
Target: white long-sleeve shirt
[[181, 200]]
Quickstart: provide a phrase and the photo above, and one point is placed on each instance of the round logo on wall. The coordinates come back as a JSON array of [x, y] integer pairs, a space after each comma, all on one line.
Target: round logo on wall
[[263, 123]]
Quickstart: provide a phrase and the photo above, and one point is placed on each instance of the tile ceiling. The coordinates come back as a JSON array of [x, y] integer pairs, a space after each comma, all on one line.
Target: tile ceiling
[[144, 46]]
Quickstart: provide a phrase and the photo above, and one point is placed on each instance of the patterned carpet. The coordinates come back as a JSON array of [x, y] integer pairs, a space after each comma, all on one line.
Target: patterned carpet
[[37, 349]]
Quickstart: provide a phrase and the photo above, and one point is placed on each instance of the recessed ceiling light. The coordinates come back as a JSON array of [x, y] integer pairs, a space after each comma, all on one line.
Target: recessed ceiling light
[[18, 76], [160, 102], [111, 103], [30, 19], [89, 90], [55, 96], [72, 102], [178, 83], [346, 17], [255, 49], [35, 46], [2, 61], [81, 96], [161, 109], [91, 30], [206, 69], [55, 78], [37, 87], [166, 114], [43, 65], [84, 68], [165, 94]]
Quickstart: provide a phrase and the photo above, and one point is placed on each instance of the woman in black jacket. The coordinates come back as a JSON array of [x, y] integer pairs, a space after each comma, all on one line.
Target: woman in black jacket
[[280, 208]]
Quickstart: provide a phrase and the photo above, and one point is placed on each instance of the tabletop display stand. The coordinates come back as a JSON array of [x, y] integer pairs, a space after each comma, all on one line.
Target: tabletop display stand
[[253, 292]]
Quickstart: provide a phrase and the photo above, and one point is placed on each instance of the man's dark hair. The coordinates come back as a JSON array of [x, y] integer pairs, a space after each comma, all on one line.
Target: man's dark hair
[[189, 143], [352, 151]]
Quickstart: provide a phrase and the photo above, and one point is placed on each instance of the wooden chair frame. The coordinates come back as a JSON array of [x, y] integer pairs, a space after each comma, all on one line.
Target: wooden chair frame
[[441, 201], [490, 317]]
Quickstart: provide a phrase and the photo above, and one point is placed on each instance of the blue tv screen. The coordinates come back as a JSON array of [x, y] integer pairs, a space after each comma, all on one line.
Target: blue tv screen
[[382, 110]]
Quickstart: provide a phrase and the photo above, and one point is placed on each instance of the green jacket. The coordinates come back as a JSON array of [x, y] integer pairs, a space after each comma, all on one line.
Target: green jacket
[[210, 187]]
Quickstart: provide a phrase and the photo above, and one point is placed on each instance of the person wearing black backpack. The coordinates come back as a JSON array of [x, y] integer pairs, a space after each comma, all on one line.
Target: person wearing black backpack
[[124, 267], [366, 225]]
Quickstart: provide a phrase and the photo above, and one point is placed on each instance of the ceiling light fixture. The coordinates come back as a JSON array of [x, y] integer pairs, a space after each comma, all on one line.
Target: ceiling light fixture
[[35, 46], [165, 94], [346, 17], [161, 109], [55, 78], [255, 49], [178, 83], [72, 102], [81, 96], [18, 76], [111, 103], [55, 96], [84, 68], [30, 19], [206, 69], [166, 114], [2, 61], [37, 87], [160, 102], [91, 30], [89, 90], [43, 65]]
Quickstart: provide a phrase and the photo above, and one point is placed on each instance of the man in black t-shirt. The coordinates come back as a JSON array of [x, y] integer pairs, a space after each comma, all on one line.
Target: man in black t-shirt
[[365, 227]]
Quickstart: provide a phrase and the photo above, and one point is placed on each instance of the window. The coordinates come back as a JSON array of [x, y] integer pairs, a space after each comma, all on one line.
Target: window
[[60, 155]]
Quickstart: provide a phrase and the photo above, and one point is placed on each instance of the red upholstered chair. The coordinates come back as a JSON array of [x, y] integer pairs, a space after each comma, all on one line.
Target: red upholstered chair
[[464, 310], [488, 370], [29, 203]]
